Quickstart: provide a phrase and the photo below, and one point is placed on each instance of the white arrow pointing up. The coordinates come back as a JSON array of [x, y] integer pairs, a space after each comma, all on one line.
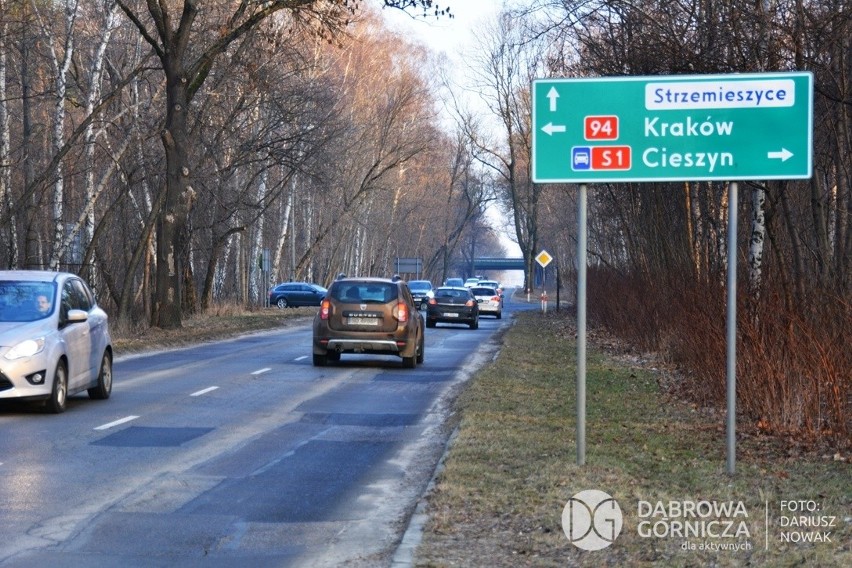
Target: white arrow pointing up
[[550, 128], [783, 155], [552, 95]]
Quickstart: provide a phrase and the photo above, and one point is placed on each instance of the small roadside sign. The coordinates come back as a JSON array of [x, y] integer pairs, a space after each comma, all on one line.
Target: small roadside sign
[[543, 258]]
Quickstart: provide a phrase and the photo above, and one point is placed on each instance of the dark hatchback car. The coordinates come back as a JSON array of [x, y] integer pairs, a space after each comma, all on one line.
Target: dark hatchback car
[[293, 294], [453, 304], [369, 315]]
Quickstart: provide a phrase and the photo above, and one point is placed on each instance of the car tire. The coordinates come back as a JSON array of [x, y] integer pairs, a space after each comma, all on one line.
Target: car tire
[[421, 350], [282, 303], [474, 324], [409, 362], [103, 389], [430, 323], [332, 356], [499, 315], [59, 393], [320, 360]]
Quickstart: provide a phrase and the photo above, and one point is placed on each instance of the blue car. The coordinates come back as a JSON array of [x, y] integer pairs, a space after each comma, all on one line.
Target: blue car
[[294, 294]]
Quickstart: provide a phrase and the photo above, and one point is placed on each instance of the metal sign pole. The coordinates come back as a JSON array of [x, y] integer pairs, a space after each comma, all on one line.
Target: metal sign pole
[[732, 327], [581, 326]]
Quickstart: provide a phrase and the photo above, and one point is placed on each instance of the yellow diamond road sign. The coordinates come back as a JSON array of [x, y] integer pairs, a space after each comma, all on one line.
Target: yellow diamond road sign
[[543, 258]]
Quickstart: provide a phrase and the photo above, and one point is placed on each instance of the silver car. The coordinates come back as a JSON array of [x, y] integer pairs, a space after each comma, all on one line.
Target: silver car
[[54, 339], [490, 301]]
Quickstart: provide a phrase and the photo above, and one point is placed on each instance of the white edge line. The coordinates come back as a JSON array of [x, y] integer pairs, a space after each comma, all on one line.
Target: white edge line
[[116, 423], [303, 357], [204, 391], [766, 545], [261, 371]]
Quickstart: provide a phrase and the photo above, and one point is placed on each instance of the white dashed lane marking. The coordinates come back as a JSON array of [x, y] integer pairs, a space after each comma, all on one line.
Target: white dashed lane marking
[[204, 391], [116, 422]]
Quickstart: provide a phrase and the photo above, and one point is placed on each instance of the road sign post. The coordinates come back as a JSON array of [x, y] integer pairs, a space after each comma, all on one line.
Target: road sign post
[[671, 128]]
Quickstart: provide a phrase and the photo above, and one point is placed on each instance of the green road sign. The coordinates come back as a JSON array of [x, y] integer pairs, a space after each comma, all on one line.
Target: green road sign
[[673, 128]]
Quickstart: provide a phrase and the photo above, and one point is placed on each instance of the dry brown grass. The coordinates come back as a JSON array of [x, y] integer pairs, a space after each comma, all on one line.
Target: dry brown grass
[[793, 360], [512, 467], [217, 323]]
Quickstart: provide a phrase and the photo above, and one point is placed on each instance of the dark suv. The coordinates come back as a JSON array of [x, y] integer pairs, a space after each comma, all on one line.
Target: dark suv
[[422, 290], [368, 315]]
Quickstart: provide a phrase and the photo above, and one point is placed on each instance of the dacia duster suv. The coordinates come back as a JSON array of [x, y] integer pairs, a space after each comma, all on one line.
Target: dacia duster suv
[[369, 315]]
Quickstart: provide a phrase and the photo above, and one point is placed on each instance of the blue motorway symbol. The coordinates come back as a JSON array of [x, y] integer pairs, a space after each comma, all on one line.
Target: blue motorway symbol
[[581, 158]]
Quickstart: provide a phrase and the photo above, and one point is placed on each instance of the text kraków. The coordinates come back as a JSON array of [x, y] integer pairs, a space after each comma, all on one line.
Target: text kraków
[[655, 128]]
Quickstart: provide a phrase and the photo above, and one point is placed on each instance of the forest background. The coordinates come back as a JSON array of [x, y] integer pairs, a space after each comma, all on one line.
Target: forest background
[[165, 151]]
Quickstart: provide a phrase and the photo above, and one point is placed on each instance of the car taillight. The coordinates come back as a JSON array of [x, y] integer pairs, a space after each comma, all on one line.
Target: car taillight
[[470, 303], [402, 312], [433, 301], [325, 309], [495, 298]]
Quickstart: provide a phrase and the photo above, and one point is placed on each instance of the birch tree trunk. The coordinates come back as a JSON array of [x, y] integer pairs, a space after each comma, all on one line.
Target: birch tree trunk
[[255, 267], [60, 70], [11, 231], [93, 98], [757, 240], [285, 215]]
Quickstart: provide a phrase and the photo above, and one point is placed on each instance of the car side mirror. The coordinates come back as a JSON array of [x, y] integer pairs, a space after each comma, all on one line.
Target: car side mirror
[[77, 316]]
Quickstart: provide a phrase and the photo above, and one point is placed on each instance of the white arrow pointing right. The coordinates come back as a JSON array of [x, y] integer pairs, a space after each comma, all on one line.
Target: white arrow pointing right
[[783, 155]]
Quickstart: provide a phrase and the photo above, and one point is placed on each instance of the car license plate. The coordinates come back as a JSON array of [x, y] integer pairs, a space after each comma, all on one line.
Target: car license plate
[[363, 321], [451, 315]]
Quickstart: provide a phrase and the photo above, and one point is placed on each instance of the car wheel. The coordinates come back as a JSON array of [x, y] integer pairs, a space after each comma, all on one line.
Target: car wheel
[[104, 387], [333, 356], [320, 360], [474, 324], [430, 323], [409, 362], [499, 315], [421, 350], [59, 394], [281, 303]]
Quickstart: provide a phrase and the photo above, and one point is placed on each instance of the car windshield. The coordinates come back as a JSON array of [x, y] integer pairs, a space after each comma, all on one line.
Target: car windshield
[[450, 293], [26, 301], [481, 291], [363, 292], [420, 285]]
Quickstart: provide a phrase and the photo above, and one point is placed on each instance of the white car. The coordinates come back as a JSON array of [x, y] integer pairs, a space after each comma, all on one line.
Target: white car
[[470, 282], [489, 300], [491, 284], [54, 339]]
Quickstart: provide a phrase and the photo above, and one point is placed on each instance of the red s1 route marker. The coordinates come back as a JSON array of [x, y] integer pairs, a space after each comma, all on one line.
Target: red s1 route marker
[[610, 157], [600, 127]]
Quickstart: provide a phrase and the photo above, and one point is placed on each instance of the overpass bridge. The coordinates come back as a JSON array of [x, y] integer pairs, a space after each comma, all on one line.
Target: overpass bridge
[[497, 263]]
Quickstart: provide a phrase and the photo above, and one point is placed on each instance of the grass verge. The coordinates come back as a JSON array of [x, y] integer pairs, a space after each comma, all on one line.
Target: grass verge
[[215, 324], [499, 498]]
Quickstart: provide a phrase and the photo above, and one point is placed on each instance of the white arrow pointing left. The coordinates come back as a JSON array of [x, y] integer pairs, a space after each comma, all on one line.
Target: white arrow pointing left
[[783, 155], [550, 128]]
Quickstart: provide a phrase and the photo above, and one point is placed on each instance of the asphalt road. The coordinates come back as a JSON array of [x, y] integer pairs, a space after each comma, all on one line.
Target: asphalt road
[[235, 453]]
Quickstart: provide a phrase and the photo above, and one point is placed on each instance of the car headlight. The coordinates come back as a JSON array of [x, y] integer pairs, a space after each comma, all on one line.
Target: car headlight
[[26, 348]]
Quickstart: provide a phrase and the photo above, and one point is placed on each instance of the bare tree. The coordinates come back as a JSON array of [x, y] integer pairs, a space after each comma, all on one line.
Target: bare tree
[[504, 69], [187, 48]]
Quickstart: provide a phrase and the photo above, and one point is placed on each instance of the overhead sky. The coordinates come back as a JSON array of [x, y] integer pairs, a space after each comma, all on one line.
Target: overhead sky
[[448, 35], [452, 37]]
